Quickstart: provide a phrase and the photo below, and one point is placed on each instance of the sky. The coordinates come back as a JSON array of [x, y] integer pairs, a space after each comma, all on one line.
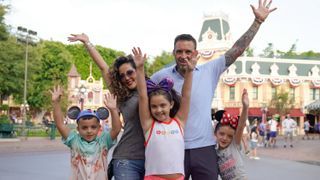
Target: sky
[[153, 24]]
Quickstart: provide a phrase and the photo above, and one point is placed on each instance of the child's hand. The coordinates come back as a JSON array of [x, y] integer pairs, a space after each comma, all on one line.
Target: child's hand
[[192, 63], [245, 99], [78, 37], [110, 101], [138, 57], [56, 93]]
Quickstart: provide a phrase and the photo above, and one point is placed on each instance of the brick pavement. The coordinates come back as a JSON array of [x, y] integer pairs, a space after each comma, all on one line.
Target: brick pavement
[[303, 150]]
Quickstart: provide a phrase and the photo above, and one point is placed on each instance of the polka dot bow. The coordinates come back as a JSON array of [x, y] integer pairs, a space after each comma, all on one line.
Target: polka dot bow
[[227, 119]]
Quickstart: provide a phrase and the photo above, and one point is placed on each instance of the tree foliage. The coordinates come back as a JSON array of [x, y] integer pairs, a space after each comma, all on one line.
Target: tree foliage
[[159, 62], [11, 69], [53, 63], [82, 60], [249, 52], [3, 28], [282, 102]]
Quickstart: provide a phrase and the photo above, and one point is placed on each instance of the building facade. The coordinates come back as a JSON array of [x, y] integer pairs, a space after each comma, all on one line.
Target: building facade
[[264, 78]]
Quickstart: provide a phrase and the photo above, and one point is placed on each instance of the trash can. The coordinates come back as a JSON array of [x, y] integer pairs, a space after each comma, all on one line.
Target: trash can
[[52, 131]]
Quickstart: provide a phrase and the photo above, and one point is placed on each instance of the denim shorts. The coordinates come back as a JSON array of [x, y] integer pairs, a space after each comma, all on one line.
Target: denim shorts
[[124, 169]]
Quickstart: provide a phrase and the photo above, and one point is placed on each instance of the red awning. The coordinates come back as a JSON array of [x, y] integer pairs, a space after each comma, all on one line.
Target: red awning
[[233, 111], [255, 112], [296, 113]]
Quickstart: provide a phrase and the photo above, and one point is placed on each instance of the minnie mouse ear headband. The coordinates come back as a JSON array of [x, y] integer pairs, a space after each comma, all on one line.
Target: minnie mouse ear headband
[[74, 112], [226, 119], [165, 84]]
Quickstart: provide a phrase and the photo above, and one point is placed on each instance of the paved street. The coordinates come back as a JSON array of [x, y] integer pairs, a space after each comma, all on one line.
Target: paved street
[[39, 158]]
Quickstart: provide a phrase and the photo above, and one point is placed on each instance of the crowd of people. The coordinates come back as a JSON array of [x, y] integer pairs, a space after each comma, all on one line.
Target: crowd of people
[[167, 132]]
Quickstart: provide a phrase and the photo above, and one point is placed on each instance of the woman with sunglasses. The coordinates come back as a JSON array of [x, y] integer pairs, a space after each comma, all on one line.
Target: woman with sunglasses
[[128, 156]]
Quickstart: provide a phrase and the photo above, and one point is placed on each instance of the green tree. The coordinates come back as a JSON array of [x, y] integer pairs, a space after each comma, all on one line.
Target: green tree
[[268, 52], [249, 52], [11, 69], [53, 63], [82, 60], [160, 62], [3, 28], [282, 102]]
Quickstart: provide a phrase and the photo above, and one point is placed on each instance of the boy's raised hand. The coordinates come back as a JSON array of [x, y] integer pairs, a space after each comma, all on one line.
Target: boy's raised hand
[[56, 93], [78, 37], [245, 99], [110, 101], [138, 57]]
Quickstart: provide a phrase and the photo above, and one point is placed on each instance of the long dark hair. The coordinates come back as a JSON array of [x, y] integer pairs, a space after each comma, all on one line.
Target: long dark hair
[[116, 87], [172, 95]]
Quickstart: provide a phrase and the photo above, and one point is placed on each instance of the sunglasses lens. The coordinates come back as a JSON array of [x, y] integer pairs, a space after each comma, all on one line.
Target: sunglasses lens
[[126, 74], [129, 73]]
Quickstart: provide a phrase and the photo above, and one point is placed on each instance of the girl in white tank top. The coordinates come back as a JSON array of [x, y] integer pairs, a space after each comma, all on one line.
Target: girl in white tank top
[[163, 116]]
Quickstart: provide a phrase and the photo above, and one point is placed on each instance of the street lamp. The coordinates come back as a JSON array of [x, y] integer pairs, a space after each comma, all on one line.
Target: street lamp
[[82, 91], [28, 37], [264, 110]]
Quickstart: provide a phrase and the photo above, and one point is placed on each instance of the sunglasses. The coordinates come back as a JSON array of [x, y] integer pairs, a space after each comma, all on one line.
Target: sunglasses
[[128, 74]]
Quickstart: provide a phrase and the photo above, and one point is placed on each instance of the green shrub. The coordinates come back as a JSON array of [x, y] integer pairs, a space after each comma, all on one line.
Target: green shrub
[[4, 119]]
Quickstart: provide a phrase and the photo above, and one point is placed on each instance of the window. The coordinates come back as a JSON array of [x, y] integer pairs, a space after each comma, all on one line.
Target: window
[[231, 92], [274, 92], [314, 94], [255, 92], [292, 93]]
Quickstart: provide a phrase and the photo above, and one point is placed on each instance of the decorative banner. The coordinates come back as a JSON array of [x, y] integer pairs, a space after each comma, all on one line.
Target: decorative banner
[[277, 81], [258, 80], [295, 81], [207, 54], [316, 83], [96, 88], [230, 81]]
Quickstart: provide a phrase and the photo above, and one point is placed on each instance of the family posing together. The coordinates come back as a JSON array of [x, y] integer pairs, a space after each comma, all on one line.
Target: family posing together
[[167, 118]]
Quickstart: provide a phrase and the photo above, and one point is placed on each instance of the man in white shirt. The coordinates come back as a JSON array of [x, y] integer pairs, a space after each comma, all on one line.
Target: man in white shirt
[[273, 124], [288, 126]]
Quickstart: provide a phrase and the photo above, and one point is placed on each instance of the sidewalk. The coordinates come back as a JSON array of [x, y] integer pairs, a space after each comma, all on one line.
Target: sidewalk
[[32, 144], [307, 151]]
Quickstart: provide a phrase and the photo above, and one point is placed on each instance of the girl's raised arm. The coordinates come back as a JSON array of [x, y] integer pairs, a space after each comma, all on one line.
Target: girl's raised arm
[[144, 112], [183, 111]]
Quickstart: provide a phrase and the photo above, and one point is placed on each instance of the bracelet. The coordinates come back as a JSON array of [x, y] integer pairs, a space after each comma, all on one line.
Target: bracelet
[[259, 20], [89, 44]]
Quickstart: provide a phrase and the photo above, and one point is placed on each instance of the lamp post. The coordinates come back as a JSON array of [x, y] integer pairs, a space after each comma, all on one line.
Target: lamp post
[[82, 91], [264, 110], [28, 37]]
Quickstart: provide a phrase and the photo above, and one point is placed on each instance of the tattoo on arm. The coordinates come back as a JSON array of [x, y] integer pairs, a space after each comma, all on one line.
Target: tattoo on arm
[[240, 46]]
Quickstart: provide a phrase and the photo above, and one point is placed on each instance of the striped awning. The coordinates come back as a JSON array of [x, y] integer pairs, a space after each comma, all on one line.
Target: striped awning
[[314, 105]]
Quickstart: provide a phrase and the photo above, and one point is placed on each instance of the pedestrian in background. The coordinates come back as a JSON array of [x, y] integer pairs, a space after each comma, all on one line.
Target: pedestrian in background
[[306, 127], [254, 142], [288, 125]]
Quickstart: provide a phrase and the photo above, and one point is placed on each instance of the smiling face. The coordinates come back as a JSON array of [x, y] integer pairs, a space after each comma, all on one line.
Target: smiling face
[[160, 108], [183, 51], [224, 136], [88, 128], [128, 76]]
